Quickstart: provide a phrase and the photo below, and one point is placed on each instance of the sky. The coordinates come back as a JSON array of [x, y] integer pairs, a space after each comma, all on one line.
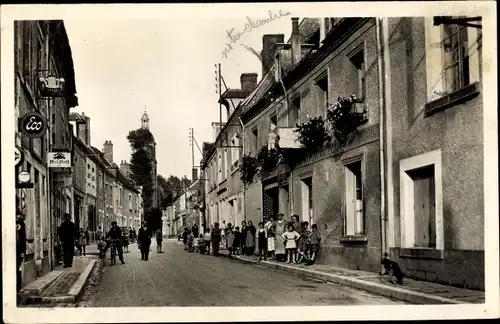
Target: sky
[[166, 67]]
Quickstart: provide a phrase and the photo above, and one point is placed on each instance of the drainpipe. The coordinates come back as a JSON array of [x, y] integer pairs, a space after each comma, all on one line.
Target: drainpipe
[[243, 151], [381, 83]]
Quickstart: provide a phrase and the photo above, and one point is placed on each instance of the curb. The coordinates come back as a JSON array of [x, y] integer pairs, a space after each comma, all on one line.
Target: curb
[[77, 289], [74, 293], [27, 294], [371, 287]]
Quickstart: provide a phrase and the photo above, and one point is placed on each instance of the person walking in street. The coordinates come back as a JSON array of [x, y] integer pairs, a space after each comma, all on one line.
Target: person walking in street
[[290, 238], [190, 241], [115, 234], [279, 242], [184, 237], [207, 238], [250, 239], [195, 230], [159, 241], [67, 235], [20, 247], [201, 244], [145, 241], [262, 242], [270, 228], [229, 238], [216, 239], [82, 242]]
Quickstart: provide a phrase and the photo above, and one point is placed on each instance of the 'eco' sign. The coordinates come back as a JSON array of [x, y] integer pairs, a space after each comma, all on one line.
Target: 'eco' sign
[[33, 125]]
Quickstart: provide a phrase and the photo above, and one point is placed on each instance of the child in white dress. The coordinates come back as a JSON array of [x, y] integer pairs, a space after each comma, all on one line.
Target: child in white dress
[[290, 237]]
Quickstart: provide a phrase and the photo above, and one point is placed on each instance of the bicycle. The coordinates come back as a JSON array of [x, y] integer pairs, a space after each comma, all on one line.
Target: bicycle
[[113, 252]]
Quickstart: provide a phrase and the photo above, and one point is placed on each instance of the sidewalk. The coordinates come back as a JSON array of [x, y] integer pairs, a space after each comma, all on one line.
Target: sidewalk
[[413, 291], [61, 285]]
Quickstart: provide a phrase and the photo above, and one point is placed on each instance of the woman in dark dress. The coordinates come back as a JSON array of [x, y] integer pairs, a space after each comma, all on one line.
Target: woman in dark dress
[[250, 239]]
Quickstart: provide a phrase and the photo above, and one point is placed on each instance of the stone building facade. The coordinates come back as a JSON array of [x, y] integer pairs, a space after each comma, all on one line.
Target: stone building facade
[[37, 57], [435, 150], [223, 188]]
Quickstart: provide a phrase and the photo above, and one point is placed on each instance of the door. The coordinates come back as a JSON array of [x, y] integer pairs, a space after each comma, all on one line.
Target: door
[[424, 208]]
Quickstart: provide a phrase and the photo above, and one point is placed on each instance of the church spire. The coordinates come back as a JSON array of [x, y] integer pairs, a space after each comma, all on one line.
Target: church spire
[[145, 120]]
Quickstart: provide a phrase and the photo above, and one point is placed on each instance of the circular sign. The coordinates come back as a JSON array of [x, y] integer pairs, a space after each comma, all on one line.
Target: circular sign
[[33, 125], [19, 156], [24, 176]]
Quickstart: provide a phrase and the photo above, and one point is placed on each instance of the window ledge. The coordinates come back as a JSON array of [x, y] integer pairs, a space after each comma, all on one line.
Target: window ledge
[[421, 253], [354, 239], [457, 97]]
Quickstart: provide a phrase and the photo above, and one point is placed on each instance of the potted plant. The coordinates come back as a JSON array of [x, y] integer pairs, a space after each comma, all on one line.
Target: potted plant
[[312, 134], [248, 169], [344, 119]]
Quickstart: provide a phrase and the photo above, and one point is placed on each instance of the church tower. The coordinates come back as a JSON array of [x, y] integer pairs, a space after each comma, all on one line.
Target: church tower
[[145, 121], [151, 149]]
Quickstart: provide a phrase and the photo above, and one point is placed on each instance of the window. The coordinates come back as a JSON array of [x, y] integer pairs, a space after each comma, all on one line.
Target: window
[[353, 199], [356, 77], [255, 139], [307, 201], [455, 57], [294, 112], [322, 92]]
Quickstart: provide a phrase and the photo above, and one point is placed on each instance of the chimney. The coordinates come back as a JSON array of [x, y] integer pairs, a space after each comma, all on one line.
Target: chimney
[[125, 168], [248, 81], [267, 54], [295, 40], [194, 174], [108, 151]]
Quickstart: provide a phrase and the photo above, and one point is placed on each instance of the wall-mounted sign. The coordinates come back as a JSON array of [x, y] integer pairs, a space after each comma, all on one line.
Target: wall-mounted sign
[[33, 125], [19, 156], [24, 176], [59, 159], [51, 86]]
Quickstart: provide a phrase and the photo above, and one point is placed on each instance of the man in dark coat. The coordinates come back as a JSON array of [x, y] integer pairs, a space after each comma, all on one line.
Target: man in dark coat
[[115, 234], [20, 245], [195, 231], [67, 236], [144, 238], [216, 239]]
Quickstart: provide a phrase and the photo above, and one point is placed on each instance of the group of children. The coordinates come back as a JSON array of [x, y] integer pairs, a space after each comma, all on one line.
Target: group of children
[[197, 244], [301, 247], [298, 247]]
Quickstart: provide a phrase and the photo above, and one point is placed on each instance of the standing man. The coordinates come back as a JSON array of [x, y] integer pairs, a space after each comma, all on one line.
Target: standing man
[[20, 246], [195, 230], [144, 240], [67, 235], [270, 228], [216, 239]]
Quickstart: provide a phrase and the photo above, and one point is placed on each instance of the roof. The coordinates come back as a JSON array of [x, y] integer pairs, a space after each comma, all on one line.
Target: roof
[[65, 56]]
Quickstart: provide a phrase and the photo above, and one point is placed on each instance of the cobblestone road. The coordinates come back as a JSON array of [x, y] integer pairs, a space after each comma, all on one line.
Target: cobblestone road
[[179, 278]]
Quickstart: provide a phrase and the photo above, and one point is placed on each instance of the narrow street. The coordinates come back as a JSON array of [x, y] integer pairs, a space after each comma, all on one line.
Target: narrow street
[[179, 278]]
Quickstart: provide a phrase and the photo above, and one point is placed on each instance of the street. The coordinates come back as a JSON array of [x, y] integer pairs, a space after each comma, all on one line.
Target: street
[[179, 278]]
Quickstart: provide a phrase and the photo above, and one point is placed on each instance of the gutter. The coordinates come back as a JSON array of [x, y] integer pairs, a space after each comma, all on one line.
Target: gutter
[[381, 74]]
